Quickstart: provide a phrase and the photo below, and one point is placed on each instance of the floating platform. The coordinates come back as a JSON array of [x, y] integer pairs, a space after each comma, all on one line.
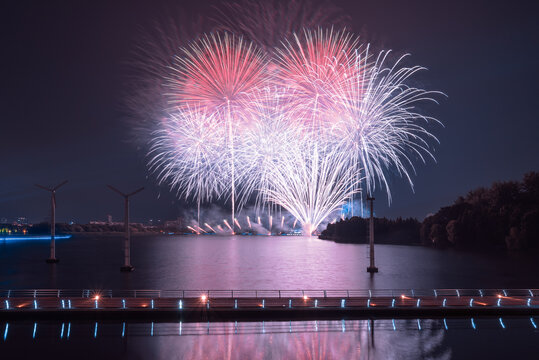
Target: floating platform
[[257, 305]]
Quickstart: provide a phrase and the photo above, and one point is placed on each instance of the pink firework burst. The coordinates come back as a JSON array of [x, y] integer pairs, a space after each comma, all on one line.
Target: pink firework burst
[[313, 64], [217, 73]]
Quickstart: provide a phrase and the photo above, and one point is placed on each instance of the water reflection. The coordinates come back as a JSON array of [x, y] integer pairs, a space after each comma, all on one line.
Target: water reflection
[[344, 339]]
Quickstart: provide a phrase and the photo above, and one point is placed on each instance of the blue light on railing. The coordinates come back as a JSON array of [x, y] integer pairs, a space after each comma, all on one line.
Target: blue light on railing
[[22, 238], [289, 303], [393, 303], [445, 324], [69, 303], [418, 302], [481, 293], [499, 302], [5, 331], [96, 303], [68, 329], [34, 332], [151, 331], [435, 293], [315, 303], [343, 303], [7, 304], [471, 302], [123, 329], [62, 331], [152, 304], [473, 323], [393, 322], [444, 302], [180, 304], [418, 324], [531, 293], [504, 293], [35, 304], [369, 303], [529, 302], [95, 330], [343, 325], [180, 328], [63, 304], [123, 303], [533, 323], [501, 323]]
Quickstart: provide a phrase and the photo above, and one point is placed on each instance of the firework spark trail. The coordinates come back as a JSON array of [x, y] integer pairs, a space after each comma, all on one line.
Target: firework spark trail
[[379, 123], [217, 72], [185, 154], [303, 138], [267, 23], [209, 227]]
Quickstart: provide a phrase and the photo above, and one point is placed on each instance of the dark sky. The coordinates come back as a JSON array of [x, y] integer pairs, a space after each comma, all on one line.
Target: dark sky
[[63, 76]]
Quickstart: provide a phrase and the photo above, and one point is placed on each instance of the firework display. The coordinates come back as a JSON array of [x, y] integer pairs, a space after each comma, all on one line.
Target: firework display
[[301, 127]]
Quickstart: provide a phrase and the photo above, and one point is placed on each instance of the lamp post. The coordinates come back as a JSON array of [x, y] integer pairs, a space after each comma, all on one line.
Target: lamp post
[[371, 269], [127, 241], [52, 259]]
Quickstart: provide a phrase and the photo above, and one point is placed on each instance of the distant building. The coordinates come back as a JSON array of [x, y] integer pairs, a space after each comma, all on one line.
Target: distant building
[[3, 220], [21, 220], [109, 219]]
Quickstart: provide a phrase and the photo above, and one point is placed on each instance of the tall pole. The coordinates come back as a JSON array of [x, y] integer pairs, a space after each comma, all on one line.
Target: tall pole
[[52, 258], [372, 268], [127, 239]]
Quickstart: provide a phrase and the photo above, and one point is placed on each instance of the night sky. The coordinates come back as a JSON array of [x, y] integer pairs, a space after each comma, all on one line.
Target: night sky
[[63, 79]]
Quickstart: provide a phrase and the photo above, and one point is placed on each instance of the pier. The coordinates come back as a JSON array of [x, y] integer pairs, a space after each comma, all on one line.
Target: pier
[[225, 305]]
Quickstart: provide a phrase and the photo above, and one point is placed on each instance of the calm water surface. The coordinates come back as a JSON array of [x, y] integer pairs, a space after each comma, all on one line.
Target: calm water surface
[[255, 262], [260, 262]]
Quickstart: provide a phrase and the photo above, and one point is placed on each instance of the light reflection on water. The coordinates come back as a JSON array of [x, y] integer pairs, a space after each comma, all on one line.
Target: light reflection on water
[[255, 262], [344, 339]]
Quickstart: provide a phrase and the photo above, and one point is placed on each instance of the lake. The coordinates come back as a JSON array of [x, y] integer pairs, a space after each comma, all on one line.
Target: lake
[[265, 262]]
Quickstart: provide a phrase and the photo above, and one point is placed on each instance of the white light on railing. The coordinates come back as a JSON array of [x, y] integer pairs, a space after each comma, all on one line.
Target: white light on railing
[[471, 302], [444, 302], [529, 302], [393, 303], [289, 303], [35, 304], [123, 303], [315, 303], [418, 302], [343, 303], [369, 303], [235, 303], [499, 303], [7, 304], [263, 303], [152, 304], [180, 304]]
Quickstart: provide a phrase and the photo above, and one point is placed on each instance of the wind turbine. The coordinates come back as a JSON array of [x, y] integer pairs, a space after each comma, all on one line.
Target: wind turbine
[[127, 242], [52, 259]]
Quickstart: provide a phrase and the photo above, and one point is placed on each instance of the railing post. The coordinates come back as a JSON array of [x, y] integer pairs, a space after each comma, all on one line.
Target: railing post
[[256, 294], [279, 294], [347, 293], [325, 294]]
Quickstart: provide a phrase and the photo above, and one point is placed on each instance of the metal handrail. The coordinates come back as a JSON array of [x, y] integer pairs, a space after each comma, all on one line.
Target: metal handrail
[[148, 293]]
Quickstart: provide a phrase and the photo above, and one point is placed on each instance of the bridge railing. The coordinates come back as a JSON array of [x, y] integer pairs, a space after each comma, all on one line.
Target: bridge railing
[[148, 293]]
